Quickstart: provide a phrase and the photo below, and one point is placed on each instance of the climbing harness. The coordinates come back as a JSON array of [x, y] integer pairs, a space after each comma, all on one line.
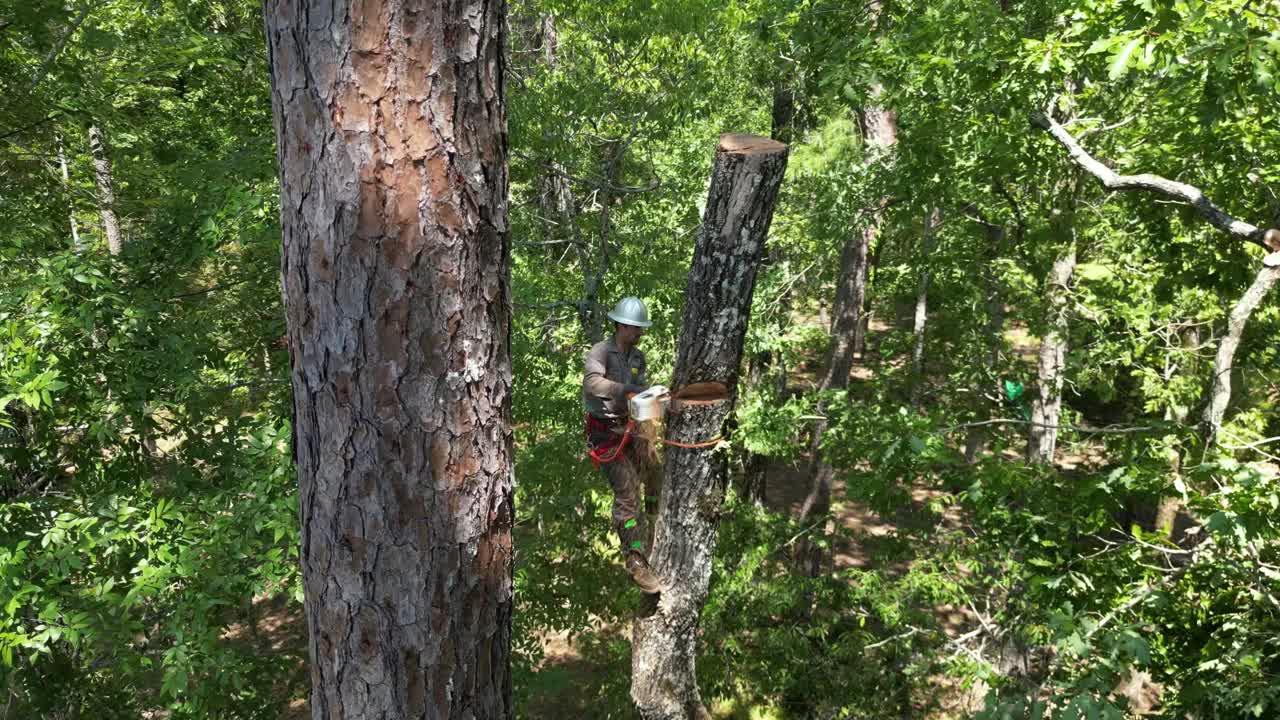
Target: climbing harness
[[597, 454]]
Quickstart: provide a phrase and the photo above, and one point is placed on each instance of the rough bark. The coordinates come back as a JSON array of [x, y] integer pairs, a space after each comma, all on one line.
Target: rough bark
[[744, 186], [392, 151], [879, 128], [106, 190], [1220, 389], [1046, 405], [848, 331]]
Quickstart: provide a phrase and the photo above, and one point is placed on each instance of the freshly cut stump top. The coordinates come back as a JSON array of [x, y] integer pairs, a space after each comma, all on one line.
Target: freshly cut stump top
[[743, 144]]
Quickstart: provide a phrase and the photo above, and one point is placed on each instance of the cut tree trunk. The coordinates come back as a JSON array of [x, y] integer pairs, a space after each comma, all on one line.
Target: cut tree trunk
[[1220, 389], [1046, 406], [745, 178], [392, 149], [106, 190]]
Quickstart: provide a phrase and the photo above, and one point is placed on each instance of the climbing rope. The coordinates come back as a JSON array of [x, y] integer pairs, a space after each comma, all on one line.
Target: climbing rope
[[599, 458], [597, 455]]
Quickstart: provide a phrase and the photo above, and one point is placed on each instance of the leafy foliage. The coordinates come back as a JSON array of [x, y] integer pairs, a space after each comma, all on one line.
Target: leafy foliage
[[148, 516]]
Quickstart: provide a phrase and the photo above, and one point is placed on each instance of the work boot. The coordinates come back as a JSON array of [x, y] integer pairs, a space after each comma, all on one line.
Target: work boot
[[642, 575]]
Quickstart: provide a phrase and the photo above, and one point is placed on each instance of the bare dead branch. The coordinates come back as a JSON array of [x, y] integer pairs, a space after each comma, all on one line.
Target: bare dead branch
[[1113, 181]]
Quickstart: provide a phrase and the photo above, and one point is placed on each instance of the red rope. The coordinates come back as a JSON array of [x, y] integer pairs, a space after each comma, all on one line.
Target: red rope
[[598, 458]]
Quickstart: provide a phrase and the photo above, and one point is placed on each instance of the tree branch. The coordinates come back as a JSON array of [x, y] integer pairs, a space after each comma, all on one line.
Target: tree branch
[[1111, 180], [57, 48], [33, 125], [1077, 428], [1248, 7], [207, 290]]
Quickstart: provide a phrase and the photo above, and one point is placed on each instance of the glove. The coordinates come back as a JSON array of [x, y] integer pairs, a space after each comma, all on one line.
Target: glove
[[629, 390]]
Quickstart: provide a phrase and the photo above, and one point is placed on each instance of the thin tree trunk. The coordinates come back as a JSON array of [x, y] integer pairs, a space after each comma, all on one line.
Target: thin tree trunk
[[548, 39], [755, 465], [921, 317], [879, 128], [847, 329], [591, 312], [1220, 389], [745, 179], [976, 440], [71, 208], [392, 150], [783, 114], [1046, 406], [106, 189]]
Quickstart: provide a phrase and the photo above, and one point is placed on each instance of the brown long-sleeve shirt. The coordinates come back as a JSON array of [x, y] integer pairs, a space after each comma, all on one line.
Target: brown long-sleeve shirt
[[608, 371]]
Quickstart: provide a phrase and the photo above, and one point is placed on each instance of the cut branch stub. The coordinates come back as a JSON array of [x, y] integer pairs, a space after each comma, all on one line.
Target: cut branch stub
[[744, 186]]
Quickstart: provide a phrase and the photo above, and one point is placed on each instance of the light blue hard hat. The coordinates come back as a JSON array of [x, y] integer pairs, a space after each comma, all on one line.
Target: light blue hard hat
[[630, 311]]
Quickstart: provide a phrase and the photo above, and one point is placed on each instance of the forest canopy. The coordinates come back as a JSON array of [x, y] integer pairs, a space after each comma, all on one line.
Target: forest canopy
[[1006, 441]]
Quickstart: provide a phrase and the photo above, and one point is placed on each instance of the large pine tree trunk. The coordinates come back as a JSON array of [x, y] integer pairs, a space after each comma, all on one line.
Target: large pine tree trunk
[[392, 150], [106, 190], [1046, 406], [1220, 389], [745, 179]]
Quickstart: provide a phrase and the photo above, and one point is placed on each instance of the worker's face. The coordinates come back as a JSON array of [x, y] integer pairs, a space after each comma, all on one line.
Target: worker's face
[[628, 335]]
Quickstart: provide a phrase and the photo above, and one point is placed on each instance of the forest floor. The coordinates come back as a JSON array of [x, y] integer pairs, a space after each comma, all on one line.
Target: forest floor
[[573, 674], [867, 541]]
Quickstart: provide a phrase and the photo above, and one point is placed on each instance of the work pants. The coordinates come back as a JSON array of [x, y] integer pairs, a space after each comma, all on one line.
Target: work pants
[[633, 476]]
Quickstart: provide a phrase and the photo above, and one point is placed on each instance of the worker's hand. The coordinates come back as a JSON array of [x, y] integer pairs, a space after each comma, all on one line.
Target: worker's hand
[[631, 390]]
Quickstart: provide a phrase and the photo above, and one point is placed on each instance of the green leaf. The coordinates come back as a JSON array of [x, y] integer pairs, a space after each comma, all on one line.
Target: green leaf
[[1094, 271], [1120, 62], [1101, 44]]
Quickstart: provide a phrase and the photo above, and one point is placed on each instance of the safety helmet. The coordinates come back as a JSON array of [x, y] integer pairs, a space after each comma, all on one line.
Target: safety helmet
[[630, 311]]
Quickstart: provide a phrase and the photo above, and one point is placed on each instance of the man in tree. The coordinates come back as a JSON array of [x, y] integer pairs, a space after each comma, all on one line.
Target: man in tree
[[615, 370]]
